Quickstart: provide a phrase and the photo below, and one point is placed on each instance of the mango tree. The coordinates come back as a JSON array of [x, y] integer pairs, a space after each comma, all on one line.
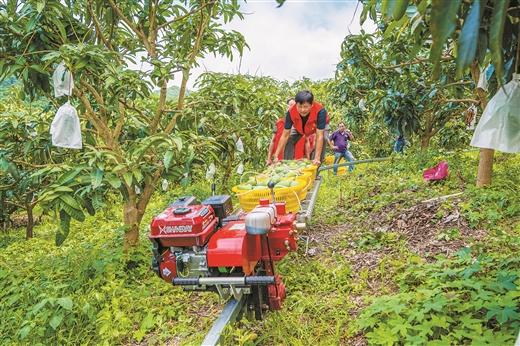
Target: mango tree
[[230, 108], [475, 32], [376, 80], [118, 53], [33, 172]]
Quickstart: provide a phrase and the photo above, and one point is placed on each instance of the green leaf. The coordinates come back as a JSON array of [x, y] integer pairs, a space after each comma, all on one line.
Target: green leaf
[[399, 8], [70, 201], [364, 14], [4, 164], [506, 281], [56, 321], [40, 6], [65, 303], [89, 206], [468, 38], [25, 331], [178, 143], [62, 30], [62, 234], [114, 181], [167, 160], [503, 314], [128, 177], [137, 174], [38, 69], [146, 324], [97, 178], [482, 46], [443, 19], [436, 305], [73, 212], [69, 176], [13, 170], [496, 36]]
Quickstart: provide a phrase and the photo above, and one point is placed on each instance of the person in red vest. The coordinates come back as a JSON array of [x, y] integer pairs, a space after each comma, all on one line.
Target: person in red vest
[[302, 120], [277, 133]]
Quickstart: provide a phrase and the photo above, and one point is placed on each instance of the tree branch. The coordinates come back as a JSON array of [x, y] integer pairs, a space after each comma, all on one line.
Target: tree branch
[[97, 96], [457, 83], [99, 32], [15, 204], [32, 165], [160, 107], [152, 34], [414, 62], [462, 101], [129, 106], [186, 73], [120, 121], [101, 127], [162, 26], [132, 26]]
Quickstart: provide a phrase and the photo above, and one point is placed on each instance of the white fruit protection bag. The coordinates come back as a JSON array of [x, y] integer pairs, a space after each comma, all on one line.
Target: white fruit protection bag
[[62, 81], [65, 128], [499, 127]]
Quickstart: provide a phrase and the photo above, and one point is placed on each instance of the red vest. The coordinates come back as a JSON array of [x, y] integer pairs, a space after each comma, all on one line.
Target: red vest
[[279, 130], [310, 127]]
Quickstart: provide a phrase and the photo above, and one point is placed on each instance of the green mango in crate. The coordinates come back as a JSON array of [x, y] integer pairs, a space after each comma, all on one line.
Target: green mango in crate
[[245, 187]]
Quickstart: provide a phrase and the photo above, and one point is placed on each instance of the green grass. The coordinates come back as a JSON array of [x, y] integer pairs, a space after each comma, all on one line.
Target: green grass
[[366, 277]]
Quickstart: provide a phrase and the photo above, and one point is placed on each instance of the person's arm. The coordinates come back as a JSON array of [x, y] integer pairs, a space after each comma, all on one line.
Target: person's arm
[[350, 136], [271, 149], [281, 143], [319, 147], [307, 149], [330, 140]]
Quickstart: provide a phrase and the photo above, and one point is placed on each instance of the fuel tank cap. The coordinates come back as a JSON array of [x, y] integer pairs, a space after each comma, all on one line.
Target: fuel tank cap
[[181, 211]]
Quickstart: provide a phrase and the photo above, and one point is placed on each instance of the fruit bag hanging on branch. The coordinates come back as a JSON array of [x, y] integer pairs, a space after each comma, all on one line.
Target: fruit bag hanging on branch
[[499, 127]]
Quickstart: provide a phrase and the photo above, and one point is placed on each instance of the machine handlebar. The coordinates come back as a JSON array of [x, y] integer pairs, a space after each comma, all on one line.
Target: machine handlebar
[[229, 280]]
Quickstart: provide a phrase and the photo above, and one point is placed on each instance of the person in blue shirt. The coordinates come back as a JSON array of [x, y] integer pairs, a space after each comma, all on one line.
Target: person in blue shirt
[[399, 144], [339, 142]]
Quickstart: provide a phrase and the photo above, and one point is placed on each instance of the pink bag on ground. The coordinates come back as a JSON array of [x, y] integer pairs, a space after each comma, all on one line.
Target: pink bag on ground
[[439, 172]]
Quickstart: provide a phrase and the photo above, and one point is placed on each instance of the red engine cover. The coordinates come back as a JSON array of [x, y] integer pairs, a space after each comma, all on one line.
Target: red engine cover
[[184, 226], [231, 246]]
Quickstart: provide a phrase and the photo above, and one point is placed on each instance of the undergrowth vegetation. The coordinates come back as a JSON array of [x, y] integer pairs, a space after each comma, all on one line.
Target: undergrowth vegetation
[[385, 262]]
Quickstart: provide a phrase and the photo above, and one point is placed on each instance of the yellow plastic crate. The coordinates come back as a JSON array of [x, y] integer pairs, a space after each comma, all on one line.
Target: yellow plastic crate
[[313, 169], [329, 160], [292, 196]]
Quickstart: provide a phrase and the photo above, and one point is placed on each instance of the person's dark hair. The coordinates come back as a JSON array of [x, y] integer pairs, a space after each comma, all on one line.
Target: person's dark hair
[[304, 96], [289, 100], [341, 123]]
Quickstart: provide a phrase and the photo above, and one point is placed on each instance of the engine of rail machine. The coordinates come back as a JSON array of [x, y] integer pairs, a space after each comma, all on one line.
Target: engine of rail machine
[[202, 247]]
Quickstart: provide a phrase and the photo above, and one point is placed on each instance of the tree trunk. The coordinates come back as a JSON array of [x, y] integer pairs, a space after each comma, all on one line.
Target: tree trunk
[[425, 141], [131, 220], [30, 222], [229, 170], [485, 167], [485, 163]]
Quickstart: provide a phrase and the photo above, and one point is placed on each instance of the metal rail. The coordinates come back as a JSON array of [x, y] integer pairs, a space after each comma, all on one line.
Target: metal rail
[[307, 205], [228, 315], [379, 159]]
